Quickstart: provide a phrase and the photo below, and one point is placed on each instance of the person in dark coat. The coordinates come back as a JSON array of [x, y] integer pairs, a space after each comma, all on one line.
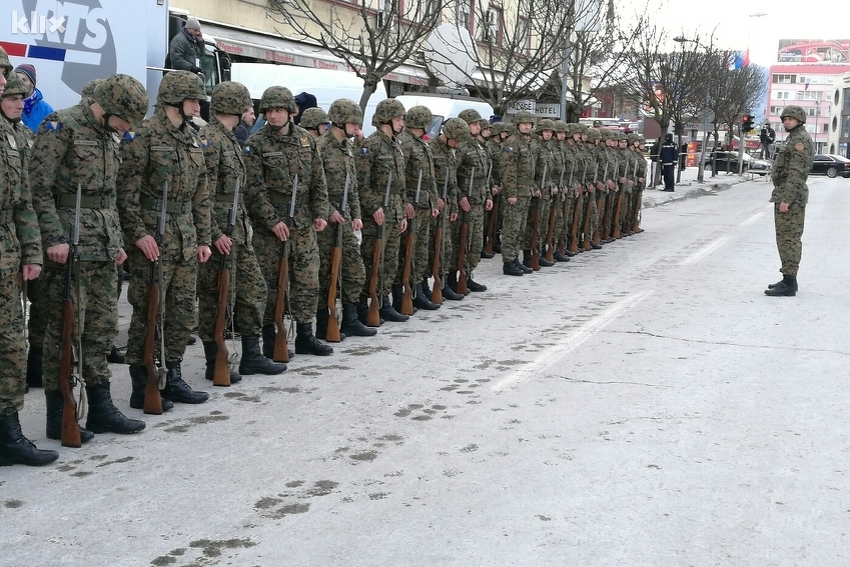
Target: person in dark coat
[[767, 138], [187, 47], [668, 156]]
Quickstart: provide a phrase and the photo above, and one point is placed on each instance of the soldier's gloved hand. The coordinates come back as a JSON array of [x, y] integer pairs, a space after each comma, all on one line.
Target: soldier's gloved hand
[[512, 200], [146, 244], [204, 254], [58, 253], [464, 205], [378, 216], [222, 244], [121, 257], [30, 271], [336, 218], [356, 224], [409, 211], [402, 226], [281, 231], [488, 205], [320, 224]]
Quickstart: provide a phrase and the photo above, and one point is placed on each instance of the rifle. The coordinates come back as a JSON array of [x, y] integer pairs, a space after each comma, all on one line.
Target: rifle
[[494, 216], [153, 402], [618, 210], [553, 214], [638, 201], [606, 220], [68, 356], [464, 227], [332, 334], [591, 199], [437, 290], [534, 262], [407, 296], [281, 350], [576, 211], [373, 318], [221, 369], [563, 237]]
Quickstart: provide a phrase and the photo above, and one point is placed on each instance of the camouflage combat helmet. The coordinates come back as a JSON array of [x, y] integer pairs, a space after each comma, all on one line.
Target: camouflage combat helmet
[[230, 98], [497, 128], [593, 135], [470, 116], [457, 129], [177, 86], [278, 97], [123, 96], [386, 110], [312, 118], [545, 124], [581, 128], [631, 138], [88, 88], [560, 126], [419, 117], [523, 116], [5, 64], [570, 129], [343, 111], [604, 134], [641, 139], [795, 112], [15, 86]]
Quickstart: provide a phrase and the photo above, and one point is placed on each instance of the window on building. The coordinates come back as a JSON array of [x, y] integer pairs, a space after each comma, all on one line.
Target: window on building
[[425, 9], [523, 37], [809, 95], [782, 95], [464, 13], [776, 110], [784, 79], [846, 97], [813, 79], [845, 126], [490, 29]]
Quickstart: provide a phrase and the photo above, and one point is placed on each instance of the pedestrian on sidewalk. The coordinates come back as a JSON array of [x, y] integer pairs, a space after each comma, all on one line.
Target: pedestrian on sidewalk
[[668, 156], [767, 138]]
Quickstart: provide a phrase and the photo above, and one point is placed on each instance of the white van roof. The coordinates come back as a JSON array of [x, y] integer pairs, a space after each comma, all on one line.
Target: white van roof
[[445, 106]]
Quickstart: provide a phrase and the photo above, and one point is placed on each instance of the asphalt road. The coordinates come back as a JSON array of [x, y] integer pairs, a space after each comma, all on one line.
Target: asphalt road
[[645, 404]]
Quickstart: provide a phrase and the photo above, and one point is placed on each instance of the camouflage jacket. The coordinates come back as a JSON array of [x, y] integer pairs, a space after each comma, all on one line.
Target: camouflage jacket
[[473, 154], [517, 166], [417, 156], [545, 164], [641, 170], [157, 153], [791, 168], [273, 159], [225, 168], [20, 239], [568, 155], [379, 157], [445, 172], [592, 160], [494, 148], [338, 160], [72, 149]]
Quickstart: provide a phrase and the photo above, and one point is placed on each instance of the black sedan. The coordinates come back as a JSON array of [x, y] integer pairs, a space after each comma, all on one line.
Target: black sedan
[[728, 162], [831, 165]]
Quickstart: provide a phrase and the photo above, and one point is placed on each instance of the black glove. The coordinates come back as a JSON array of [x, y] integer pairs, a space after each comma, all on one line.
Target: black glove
[[196, 69]]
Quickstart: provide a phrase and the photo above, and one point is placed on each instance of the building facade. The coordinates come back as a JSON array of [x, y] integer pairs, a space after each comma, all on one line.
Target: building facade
[[838, 140]]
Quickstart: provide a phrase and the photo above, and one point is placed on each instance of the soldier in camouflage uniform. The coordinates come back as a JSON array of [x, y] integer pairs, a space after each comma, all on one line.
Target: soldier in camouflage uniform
[[631, 169], [557, 181], [315, 121], [791, 168], [566, 199], [20, 259], [594, 183], [78, 147], [640, 184], [475, 202], [417, 157], [607, 161], [380, 160], [581, 156], [336, 148], [165, 149], [517, 165], [278, 153], [455, 131], [539, 208], [225, 170], [494, 149]]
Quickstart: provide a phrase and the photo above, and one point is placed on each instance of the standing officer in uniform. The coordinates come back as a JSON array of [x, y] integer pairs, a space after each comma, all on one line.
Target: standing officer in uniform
[[517, 165], [335, 148], [669, 157], [79, 146], [380, 157], [21, 259], [790, 194], [494, 149], [225, 169], [278, 153], [545, 165], [166, 149]]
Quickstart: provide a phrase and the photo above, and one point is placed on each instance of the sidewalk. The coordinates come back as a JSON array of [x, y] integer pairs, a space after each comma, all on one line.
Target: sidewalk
[[689, 186]]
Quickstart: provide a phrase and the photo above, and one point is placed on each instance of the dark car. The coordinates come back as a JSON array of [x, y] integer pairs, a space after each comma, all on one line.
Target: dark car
[[831, 165], [728, 161]]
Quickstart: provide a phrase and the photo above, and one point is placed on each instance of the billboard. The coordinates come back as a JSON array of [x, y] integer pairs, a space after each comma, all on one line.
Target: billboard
[[814, 51]]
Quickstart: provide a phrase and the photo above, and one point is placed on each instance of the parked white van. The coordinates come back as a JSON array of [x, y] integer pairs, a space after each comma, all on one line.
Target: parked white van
[[325, 84], [444, 107]]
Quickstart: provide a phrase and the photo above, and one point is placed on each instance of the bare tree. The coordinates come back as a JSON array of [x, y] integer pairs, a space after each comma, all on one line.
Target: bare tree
[[735, 92], [372, 37]]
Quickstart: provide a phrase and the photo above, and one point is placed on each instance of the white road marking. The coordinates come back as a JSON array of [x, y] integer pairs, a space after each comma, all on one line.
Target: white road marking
[[570, 342], [752, 219], [700, 254]]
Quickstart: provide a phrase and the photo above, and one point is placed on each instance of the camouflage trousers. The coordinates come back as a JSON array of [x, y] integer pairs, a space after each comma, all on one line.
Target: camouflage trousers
[[247, 290], [634, 209], [566, 205], [392, 241], [13, 369], [96, 318], [513, 228], [590, 216], [474, 238], [352, 273], [303, 293], [420, 268], [606, 204], [498, 212], [39, 312], [539, 205], [443, 225], [789, 236], [179, 277]]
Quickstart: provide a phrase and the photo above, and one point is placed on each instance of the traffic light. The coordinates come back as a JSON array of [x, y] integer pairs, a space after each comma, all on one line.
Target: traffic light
[[747, 123]]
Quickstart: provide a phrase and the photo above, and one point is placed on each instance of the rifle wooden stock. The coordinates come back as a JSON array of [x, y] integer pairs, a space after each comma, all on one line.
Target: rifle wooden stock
[[562, 238], [617, 212], [437, 290], [373, 317], [281, 350], [586, 228], [221, 370], [407, 295], [534, 262], [153, 402], [461, 255], [491, 230], [550, 233], [606, 220], [70, 428], [574, 227], [638, 204], [332, 334]]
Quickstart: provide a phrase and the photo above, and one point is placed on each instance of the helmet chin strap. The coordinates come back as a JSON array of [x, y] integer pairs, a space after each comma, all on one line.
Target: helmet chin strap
[[106, 126], [344, 131]]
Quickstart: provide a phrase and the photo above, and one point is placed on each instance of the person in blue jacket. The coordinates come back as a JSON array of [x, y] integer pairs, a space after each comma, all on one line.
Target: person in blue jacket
[[35, 107], [668, 156]]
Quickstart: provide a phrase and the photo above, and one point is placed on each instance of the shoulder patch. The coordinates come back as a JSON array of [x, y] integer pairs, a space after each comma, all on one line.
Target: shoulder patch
[[799, 146], [129, 135], [205, 143], [246, 150], [364, 151], [52, 125], [509, 149], [305, 143]]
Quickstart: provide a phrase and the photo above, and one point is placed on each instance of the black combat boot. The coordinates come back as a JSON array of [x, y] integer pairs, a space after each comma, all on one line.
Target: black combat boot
[[398, 294], [104, 417], [388, 312], [448, 292], [544, 263], [351, 324], [526, 258], [34, 358], [511, 269], [322, 318], [422, 300], [307, 343], [15, 449], [486, 255], [253, 361], [426, 288], [210, 352], [560, 257], [269, 334], [525, 269], [139, 379], [451, 280], [497, 245], [177, 390], [595, 246], [115, 356], [473, 285], [54, 402], [785, 288], [363, 308]]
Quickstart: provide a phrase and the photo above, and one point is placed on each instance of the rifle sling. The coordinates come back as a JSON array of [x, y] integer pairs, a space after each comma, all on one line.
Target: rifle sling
[[68, 201], [170, 207], [7, 216]]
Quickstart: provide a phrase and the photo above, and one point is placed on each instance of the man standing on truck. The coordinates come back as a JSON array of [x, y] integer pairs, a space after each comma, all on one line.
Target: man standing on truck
[[187, 47]]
